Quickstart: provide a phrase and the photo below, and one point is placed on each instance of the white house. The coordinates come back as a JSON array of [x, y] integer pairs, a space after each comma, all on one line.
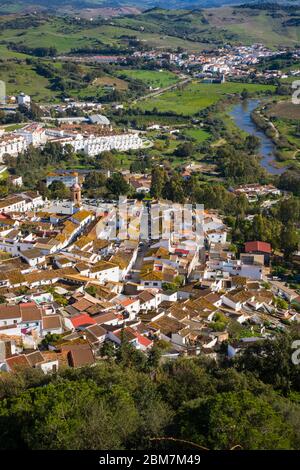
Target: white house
[[33, 257]]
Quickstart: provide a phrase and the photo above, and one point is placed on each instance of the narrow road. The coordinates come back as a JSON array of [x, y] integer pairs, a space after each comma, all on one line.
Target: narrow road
[[135, 271], [162, 90]]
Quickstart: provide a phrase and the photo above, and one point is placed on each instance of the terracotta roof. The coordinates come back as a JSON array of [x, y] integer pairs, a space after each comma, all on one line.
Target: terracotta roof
[[103, 266], [34, 358], [80, 357], [104, 317], [15, 362], [30, 312], [82, 305], [145, 296], [97, 331], [51, 322], [258, 246], [9, 312], [82, 320], [128, 301]]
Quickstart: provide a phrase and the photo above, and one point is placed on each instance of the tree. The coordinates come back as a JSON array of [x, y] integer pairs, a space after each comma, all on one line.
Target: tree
[[289, 240], [55, 417], [245, 94], [94, 180], [58, 190], [252, 143], [117, 185], [158, 178], [106, 161], [173, 189], [184, 150], [271, 361], [108, 350], [289, 210], [290, 181], [234, 418]]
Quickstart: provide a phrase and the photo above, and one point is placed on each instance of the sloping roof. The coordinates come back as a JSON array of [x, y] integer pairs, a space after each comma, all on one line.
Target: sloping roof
[[51, 322], [30, 312], [104, 317], [82, 305], [82, 319], [97, 331], [9, 311], [145, 296], [258, 246], [15, 362], [80, 357], [34, 358]]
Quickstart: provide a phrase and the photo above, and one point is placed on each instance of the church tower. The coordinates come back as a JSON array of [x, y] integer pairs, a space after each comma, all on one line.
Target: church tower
[[76, 194]]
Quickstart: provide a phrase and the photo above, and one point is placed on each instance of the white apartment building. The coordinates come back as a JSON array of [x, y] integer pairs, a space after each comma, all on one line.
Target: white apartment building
[[93, 145], [12, 145], [34, 134]]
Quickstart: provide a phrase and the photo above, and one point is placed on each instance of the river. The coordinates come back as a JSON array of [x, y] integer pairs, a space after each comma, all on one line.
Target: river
[[241, 114]]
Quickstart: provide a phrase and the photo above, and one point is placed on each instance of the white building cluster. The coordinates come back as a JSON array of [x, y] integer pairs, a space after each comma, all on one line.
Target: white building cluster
[[35, 134]]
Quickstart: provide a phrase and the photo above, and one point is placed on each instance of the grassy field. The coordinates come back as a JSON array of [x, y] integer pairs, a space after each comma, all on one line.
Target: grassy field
[[21, 77], [285, 109], [109, 81], [286, 118], [200, 135], [152, 78], [255, 25], [197, 96]]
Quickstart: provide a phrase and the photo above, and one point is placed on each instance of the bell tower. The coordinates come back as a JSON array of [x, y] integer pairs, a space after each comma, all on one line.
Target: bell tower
[[76, 194]]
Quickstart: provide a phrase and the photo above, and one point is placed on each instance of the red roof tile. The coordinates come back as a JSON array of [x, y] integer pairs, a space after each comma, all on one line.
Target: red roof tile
[[258, 246], [82, 319]]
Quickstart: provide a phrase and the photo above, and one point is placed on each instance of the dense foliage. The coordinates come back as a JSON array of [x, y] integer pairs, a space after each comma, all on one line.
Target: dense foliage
[[131, 402]]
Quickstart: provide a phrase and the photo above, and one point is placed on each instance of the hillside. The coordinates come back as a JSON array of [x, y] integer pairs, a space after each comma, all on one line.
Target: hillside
[[110, 7], [167, 29]]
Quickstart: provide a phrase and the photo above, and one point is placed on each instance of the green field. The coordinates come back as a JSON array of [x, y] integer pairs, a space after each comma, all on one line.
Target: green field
[[152, 78], [200, 135], [251, 25], [22, 77], [197, 96]]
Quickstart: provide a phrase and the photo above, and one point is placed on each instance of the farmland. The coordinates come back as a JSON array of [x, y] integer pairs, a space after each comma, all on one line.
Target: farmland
[[152, 78], [197, 96]]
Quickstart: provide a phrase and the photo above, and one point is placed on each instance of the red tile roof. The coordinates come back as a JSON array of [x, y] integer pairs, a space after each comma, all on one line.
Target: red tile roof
[[15, 362], [82, 319], [258, 246]]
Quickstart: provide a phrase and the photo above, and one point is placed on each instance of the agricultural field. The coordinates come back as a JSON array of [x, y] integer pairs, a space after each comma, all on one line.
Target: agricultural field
[[199, 135], [108, 81], [285, 109], [197, 96], [100, 86], [152, 78]]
